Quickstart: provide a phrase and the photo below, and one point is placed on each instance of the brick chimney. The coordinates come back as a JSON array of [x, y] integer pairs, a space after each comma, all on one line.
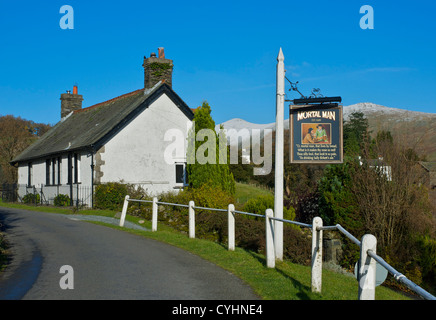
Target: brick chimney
[[157, 69], [70, 102]]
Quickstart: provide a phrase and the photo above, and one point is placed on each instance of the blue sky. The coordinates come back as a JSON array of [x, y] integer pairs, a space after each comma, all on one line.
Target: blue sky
[[223, 51]]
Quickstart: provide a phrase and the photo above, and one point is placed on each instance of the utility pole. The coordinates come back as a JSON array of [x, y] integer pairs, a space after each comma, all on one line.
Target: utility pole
[[279, 168]]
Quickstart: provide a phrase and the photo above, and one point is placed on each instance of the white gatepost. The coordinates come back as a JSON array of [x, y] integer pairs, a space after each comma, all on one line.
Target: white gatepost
[[279, 166], [231, 227], [124, 212], [367, 270], [191, 219], [269, 239], [154, 215], [316, 255]]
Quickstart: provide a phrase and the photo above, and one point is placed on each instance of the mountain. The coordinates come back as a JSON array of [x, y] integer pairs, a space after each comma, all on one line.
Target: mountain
[[415, 129]]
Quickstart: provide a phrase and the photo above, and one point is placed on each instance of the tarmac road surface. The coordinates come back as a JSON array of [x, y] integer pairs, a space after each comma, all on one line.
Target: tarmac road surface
[[106, 264]]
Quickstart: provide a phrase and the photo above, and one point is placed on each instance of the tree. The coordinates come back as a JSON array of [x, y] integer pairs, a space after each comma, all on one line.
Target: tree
[[16, 134], [355, 133], [208, 163]]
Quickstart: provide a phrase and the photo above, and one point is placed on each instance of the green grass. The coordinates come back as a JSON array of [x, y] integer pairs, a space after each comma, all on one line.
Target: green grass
[[245, 192], [287, 281]]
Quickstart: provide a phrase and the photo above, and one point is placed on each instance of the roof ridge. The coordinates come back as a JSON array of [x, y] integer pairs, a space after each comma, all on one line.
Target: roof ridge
[[110, 100]]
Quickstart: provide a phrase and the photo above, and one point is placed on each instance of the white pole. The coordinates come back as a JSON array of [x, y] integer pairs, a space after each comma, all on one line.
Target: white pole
[[231, 227], [269, 239], [279, 168], [191, 219], [316, 255], [124, 212], [367, 270], [154, 215]]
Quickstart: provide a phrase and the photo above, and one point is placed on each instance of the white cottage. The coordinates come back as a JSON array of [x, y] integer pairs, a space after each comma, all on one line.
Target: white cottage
[[120, 140]]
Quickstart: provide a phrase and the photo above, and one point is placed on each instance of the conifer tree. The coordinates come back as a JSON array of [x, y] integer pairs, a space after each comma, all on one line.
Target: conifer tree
[[207, 162]]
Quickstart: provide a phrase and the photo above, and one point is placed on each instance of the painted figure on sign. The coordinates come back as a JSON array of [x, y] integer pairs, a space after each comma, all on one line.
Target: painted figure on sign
[[309, 138], [320, 134]]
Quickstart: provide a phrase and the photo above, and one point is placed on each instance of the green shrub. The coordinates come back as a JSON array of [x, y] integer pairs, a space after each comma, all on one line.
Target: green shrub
[[210, 225], [259, 205], [62, 200], [427, 248], [31, 198], [110, 195]]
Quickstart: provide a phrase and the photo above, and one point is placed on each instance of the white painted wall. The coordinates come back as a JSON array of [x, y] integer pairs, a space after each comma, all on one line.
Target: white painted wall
[[50, 191], [136, 154]]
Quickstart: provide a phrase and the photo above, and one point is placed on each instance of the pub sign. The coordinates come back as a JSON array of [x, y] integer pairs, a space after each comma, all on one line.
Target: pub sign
[[316, 133]]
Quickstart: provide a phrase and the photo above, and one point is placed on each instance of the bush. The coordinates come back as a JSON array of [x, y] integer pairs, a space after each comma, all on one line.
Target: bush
[[259, 205], [31, 198], [427, 248], [210, 225], [110, 195], [62, 200]]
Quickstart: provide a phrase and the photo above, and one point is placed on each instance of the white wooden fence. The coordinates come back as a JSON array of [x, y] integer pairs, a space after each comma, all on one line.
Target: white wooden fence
[[366, 273]]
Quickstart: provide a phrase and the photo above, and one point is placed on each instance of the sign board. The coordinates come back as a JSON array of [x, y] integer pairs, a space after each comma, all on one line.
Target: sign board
[[316, 133]]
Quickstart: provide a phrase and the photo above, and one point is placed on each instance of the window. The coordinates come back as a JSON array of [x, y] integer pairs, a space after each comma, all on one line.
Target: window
[[70, 169], [59, 170], [180, 173], [47, 172], [29, 174], [53, 171]]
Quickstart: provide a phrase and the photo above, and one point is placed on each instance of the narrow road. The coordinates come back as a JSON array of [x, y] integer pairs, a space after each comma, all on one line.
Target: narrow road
[[106, 263]]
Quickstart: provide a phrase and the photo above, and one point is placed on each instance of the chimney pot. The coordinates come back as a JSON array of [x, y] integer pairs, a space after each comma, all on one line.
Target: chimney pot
[[75, 90], [161, 53]]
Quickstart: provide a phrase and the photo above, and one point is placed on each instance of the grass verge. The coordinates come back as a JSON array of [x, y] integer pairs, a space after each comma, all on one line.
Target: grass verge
[[245, 192], [287, 281]]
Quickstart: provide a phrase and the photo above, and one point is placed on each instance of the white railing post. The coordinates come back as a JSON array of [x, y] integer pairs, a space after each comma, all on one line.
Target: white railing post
[[231, 227], [191, 219], [367, 270], [154, 215], [316, 255], [269, 237], [124, 212]]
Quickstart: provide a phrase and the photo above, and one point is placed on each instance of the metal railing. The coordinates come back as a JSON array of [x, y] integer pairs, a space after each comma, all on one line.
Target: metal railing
[[366, 273], [80, 195]]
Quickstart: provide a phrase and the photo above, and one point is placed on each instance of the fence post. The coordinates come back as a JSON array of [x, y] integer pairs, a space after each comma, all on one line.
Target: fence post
[[367, 270], [154, 215], [231, 227], [316, 255], [123, 213], [191, 219], [269, 246]]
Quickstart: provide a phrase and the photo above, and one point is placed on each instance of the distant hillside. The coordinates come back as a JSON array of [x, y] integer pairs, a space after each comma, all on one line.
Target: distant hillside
[[415, 129]]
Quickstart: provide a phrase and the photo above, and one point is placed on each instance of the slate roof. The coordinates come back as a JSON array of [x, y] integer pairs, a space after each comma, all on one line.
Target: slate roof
[[431, 168], [90, 128]]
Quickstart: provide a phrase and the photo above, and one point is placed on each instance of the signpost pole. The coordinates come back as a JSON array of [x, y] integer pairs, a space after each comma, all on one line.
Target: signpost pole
[[279, 157]]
